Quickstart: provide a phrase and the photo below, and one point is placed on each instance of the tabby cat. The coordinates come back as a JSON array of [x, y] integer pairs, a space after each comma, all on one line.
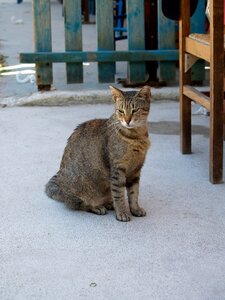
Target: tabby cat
[[105, 156]]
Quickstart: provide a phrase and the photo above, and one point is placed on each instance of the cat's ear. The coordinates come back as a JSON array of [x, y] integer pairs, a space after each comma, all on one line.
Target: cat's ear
[[145, 93], [116, 93]]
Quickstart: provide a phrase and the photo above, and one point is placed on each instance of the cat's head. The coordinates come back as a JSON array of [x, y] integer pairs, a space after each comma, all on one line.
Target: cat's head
[[132, 108]]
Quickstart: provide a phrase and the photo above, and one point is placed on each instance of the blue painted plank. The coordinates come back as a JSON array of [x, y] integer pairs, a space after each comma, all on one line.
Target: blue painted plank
[[105, 38], [136, 38], [100, 56], [73, 38], [198, 19], [166, 40], [42, 40]]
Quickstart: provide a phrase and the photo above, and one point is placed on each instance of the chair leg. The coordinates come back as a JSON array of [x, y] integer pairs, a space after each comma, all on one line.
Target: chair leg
[[224, 120], [216, 121], [185, 102], [216, 148], [216, 90], [224, 132], [185, 109], [185, 124]]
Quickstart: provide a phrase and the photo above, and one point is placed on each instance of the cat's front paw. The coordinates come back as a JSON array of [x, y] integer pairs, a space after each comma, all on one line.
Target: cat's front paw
[[123, 217], [138, 211]]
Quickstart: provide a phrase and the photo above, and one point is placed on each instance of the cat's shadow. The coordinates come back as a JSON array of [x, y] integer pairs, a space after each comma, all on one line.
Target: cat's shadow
[[173, 128]]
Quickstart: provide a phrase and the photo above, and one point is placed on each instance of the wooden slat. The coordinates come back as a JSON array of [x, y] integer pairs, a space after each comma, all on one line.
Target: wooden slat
[[197, 48], [105, 34], [42, 41], [100, 56], [185, 103], [73, 38], [216, 90], [136, 38], [166, 40], [193, 94]]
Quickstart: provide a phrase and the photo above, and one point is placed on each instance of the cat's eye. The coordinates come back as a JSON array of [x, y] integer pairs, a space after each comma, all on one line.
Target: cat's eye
[[120, 111], [135, 110]]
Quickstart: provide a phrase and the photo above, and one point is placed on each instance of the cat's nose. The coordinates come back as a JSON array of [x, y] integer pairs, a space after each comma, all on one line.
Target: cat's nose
[[127, 119]]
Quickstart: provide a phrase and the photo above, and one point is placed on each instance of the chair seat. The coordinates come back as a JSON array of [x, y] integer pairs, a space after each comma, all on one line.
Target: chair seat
[[202, 38], [199, 45]]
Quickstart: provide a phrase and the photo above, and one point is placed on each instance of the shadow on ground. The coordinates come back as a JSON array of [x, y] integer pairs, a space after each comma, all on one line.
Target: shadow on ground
[[173, 128]]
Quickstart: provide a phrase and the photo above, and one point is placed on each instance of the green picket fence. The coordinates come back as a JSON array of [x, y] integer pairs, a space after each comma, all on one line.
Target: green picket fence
[[105, 55]]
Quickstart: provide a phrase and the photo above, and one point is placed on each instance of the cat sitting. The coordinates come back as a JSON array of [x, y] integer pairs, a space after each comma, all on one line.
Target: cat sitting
[[103, 157]]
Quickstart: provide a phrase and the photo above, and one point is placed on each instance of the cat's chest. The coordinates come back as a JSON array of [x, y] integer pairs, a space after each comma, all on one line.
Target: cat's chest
[[128, 153], [135, 155], [138, 147]]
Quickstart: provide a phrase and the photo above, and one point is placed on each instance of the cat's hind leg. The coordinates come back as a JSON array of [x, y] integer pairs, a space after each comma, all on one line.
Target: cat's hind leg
[[98, 204], [95, 207], [81, 204], [107, 201], [71, 200], [109, 206], [54, 191], [98, 210]]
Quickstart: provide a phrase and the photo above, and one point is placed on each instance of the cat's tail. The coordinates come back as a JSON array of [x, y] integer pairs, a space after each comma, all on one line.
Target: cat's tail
[[53, 190]]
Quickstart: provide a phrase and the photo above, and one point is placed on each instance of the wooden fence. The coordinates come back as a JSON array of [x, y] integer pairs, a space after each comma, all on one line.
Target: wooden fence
[[105, 54]]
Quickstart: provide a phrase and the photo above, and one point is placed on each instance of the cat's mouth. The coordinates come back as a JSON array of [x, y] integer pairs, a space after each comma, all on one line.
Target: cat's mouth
[[134, 124], [128, 126]]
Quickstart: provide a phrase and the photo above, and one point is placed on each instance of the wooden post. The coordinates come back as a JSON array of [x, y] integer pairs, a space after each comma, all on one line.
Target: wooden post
[[42, 42], [216, 88], [104, 21], [73, 38], [136, 38], [185, 102]]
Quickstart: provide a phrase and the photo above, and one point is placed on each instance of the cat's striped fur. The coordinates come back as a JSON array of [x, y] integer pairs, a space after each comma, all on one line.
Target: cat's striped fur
[[104, 157]]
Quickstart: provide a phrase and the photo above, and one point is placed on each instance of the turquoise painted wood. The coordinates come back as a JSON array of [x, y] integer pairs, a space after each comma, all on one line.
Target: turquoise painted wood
[[198, 26], [166, 40], [42, 40], [198, 19], [105, 55], [73, 38], [105, 36], [136, 39], [100, 56]]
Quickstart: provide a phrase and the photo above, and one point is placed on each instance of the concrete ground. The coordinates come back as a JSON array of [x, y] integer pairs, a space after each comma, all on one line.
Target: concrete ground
[[49, 252], [176, 252]]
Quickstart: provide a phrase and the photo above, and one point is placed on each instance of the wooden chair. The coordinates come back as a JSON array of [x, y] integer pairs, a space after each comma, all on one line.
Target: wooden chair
[[209, 47]]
